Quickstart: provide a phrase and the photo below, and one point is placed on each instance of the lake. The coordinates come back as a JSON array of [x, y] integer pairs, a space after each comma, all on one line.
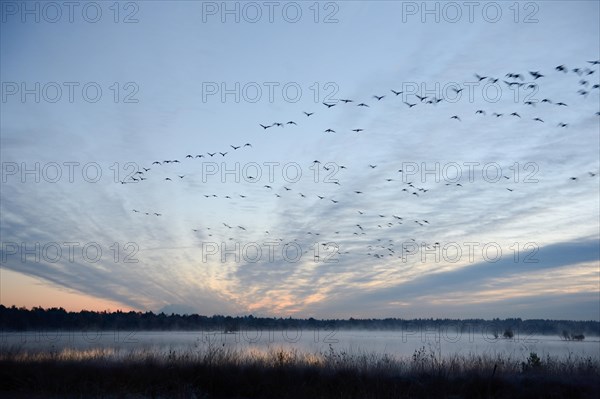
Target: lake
[[394, 343]]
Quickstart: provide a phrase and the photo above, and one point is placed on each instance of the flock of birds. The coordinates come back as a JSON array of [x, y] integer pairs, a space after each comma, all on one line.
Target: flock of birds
[[379, 246], [515, 79]]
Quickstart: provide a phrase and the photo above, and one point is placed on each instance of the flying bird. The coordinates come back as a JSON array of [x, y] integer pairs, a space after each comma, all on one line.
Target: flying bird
[[536, 74]]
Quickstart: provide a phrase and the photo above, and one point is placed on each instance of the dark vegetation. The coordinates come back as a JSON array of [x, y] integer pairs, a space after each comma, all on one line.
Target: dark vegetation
[[37, 318], [209, 369], [213, 371]]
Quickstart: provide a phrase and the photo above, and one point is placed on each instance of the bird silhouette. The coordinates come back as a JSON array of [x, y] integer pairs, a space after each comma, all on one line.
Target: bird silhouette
[[536, 74]]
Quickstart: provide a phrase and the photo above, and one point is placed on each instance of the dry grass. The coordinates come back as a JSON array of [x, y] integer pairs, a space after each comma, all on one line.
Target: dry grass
[[211, 370]]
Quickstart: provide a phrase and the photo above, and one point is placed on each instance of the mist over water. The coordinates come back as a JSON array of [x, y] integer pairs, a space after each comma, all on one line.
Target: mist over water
[[392, 343]]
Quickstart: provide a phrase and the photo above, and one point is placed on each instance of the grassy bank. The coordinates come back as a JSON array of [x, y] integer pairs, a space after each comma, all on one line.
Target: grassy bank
[[213, 371]]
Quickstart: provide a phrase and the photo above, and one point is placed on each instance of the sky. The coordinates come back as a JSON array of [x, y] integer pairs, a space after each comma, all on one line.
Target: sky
[[479, 200]]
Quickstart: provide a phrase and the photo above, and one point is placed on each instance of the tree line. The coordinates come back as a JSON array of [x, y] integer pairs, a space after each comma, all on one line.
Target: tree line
[[38, 318]]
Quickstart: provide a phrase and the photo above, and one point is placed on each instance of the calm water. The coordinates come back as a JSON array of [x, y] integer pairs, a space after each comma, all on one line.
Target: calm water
[[396, 343]]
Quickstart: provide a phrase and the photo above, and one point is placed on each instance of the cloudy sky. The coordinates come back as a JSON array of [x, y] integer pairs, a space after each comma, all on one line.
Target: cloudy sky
[[432, 210]]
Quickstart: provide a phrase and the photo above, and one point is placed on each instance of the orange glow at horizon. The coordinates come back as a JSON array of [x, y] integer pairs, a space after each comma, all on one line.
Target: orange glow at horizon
[[25, 291]]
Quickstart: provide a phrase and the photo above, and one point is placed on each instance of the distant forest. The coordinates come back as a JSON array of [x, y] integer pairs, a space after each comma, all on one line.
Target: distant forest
[[37, 318]]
